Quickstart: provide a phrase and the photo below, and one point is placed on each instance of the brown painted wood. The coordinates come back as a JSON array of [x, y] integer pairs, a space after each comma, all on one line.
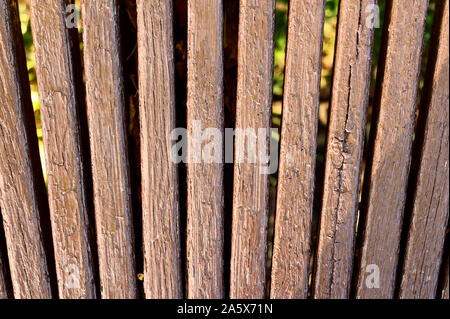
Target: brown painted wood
[[59, 106], [107, 131], [251, 187], [204, 180], [23, 196], [162, 264], [292, 242], [387, 173], [346, 132], [431, 199]]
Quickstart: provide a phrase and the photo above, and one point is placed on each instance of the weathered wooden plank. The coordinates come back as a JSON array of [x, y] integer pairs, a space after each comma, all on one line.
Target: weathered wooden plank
[[59, 105], [387, 171], [23, 196], [160, 208], [292, 242], [346, 132], [205, 178], [431, 198], [108, 140], [251, 187]]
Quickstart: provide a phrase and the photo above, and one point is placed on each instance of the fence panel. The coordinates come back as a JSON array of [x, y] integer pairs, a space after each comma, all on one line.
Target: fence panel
[[253, 111], [205, 168], [430, 204], [346, 133], [108, 139], [23, 198], [395, 250], [54, 43], [387, 173], [162, 264]]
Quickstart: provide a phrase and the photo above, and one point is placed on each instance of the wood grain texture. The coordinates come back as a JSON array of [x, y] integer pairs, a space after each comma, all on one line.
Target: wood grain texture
[[204, 180], [162, 264], [431, 199], [23, 197], [387, 171], [292, 241], [62, 143], [253, 111], [346, 132], [108, 140]]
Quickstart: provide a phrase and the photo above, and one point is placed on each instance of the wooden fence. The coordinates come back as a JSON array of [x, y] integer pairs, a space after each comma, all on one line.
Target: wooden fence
[[381, 234]]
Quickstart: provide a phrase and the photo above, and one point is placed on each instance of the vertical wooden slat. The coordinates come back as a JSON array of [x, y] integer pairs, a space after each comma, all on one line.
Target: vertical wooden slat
[[204, 180], [350, 97], [387, 172], [162, 264], [431, 199], [59, 105], [23, 197], [292, 242], [253, 111], [107, 132]]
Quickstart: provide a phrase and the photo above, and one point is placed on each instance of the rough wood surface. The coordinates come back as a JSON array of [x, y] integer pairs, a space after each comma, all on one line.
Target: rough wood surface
[[204, 180], [387, 173], [292, 242], [251, 187], [162, 264], [62, 143], [346, 132], [431, 199], [23, 197], [107, 131]]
